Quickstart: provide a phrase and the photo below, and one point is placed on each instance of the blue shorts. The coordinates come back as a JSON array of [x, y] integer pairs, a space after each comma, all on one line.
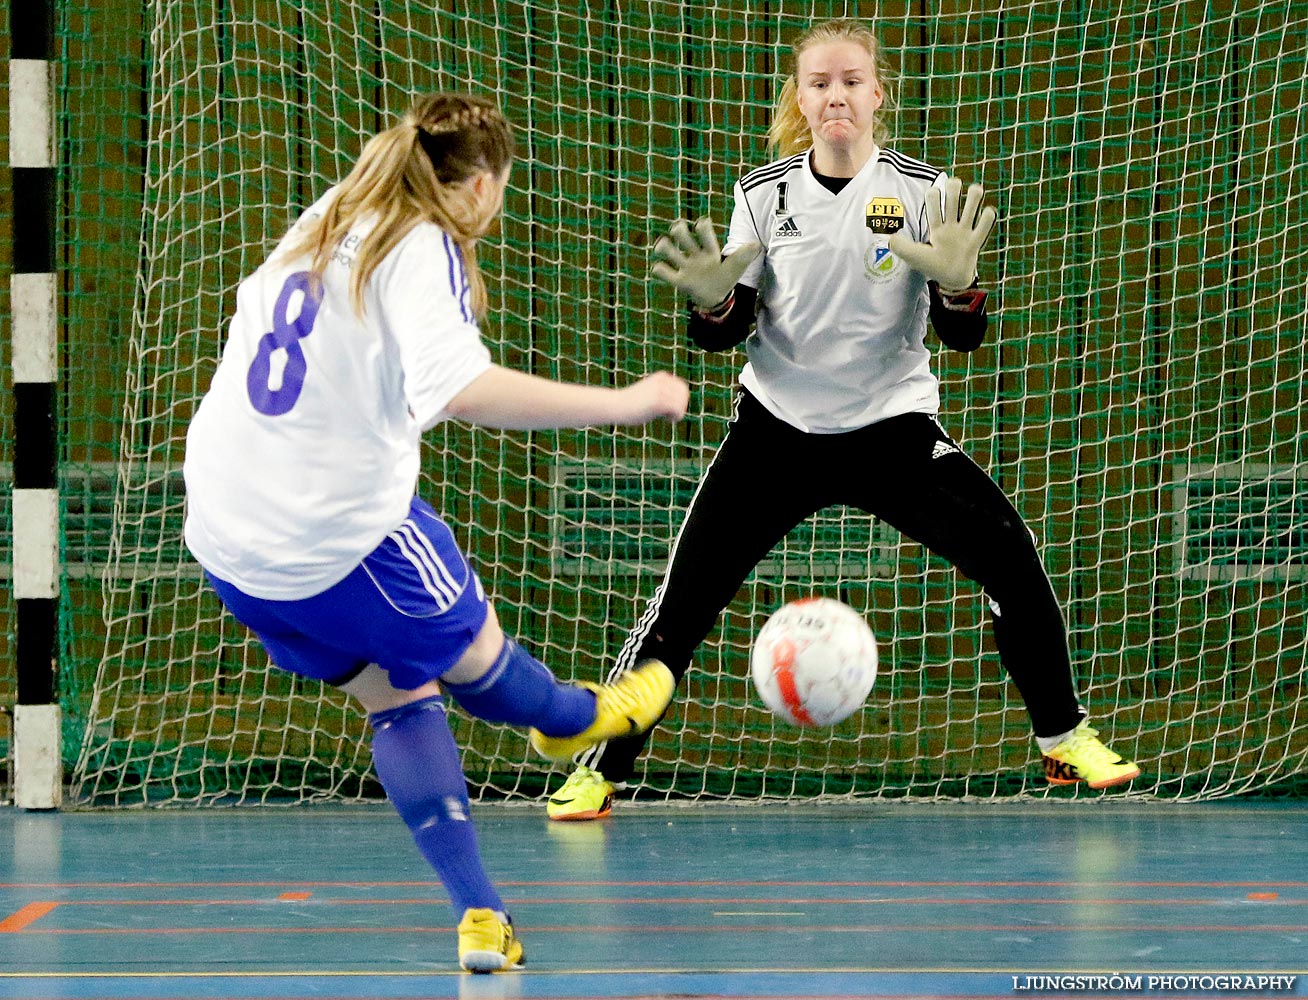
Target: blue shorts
[[413, 606]]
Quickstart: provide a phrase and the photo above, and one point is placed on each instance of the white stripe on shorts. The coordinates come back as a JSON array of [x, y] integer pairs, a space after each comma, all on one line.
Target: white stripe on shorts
[[432, 581]]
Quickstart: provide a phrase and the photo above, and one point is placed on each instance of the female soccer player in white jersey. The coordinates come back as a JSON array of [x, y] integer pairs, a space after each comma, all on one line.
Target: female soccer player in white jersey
[[357, 334], [837, 255]]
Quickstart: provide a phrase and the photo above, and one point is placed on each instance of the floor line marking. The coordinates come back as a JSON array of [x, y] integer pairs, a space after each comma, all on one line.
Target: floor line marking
[[833, 971], [707, 901], [1028, 928], [24, 917], [723, 883]]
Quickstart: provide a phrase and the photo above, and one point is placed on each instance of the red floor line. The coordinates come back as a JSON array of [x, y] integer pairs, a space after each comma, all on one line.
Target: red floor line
[[627, 995], [724, 883], [686, 901], [716, 928], [24, 917]]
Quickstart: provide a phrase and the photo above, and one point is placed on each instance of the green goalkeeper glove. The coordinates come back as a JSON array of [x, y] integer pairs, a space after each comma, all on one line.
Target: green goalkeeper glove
[[956, 238], [691, 261]]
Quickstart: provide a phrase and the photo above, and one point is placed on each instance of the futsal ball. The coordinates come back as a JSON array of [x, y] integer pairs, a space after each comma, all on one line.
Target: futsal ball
[[814, 662]]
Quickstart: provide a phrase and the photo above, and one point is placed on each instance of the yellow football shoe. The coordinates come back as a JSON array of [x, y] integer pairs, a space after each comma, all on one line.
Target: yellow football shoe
[[585, 795], [1081, 757], [626, 707], [487, 943]]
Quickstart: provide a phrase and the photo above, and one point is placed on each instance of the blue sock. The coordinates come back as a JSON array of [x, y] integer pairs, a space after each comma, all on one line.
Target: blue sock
[[418, 763], [520, 690]]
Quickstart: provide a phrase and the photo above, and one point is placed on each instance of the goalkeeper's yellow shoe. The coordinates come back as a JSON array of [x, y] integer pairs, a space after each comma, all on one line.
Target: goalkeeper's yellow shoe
[[487, 943], [626, 707], [585, 795], [1081, 757]]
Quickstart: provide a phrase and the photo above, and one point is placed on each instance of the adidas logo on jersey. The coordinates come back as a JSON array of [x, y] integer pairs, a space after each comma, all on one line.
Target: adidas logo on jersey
[[788, 228], [944, 448]]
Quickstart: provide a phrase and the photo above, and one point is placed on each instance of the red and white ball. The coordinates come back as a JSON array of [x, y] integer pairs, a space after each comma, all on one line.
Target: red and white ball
[[814, 662]]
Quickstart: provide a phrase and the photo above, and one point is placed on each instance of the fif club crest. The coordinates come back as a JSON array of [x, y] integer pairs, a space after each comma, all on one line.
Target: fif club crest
[[884, 216]]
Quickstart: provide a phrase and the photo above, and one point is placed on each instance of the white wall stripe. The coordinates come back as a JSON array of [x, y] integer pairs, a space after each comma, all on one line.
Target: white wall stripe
[[34, 327], [38, 772], [31, 134], [36, 543]]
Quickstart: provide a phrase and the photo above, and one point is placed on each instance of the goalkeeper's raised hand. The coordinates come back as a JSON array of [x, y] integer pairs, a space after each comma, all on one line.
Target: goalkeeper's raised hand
[[956, 236], [691, 260]]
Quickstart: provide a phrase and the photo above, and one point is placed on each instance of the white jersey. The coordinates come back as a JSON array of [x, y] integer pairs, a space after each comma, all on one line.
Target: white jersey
[[840, 340], [303, 455]]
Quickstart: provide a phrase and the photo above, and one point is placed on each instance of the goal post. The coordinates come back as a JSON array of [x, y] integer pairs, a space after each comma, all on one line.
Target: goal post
[[1140, 394]]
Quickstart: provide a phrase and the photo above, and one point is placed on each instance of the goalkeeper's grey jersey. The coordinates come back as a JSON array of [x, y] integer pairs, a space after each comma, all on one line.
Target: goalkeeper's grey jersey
[[842, 322]]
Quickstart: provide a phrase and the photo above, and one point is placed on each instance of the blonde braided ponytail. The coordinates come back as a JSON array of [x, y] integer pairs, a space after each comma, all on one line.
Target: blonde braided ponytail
[[416, 171]]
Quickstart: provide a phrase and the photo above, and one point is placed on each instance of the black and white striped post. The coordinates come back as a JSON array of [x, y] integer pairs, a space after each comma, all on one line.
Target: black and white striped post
[[37, 767]]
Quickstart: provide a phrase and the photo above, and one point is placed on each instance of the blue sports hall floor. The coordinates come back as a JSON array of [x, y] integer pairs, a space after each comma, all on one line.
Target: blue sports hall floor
[[1018, 899]]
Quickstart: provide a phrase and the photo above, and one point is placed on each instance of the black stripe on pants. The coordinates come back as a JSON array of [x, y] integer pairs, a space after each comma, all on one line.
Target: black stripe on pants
[[767, 477]]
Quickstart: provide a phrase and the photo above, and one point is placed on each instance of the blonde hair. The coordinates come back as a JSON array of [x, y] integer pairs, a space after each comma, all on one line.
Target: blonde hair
[[415, 172], [789, 132]]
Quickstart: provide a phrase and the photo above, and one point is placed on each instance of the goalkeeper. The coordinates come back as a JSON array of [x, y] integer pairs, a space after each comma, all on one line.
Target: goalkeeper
[[358, 334], [836, 256]]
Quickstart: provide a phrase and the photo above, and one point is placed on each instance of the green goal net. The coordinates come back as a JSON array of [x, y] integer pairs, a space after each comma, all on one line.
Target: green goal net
[[1140, 394]]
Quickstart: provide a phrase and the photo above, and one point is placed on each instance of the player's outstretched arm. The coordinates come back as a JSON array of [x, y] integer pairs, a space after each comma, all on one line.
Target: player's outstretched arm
[[691, 261], [513, 400], [957, 236]]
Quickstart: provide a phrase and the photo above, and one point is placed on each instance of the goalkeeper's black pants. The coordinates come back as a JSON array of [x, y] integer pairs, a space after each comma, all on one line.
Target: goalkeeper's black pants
[[767, 477]]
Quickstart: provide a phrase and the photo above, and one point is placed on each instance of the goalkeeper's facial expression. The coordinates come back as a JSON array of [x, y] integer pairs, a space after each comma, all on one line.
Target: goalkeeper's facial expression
[[839, 93]]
